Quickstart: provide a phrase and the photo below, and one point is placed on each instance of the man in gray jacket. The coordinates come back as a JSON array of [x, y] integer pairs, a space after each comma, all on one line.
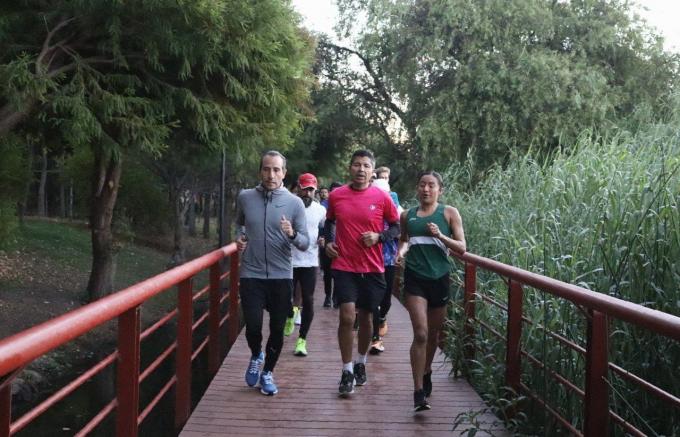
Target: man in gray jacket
[[270, 220]]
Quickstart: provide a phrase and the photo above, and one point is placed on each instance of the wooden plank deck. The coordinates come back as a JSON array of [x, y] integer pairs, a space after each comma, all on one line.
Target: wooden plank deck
[[308, 404]]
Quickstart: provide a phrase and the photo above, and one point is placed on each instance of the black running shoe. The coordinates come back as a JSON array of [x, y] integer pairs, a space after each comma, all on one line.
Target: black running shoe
[[419, 401], [327, 302], [360, 373], [427, 384], [346, 384]]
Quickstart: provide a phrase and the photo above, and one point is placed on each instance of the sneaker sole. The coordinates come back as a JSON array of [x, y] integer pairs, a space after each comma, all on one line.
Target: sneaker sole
[[422, 408], [345, 395], [358, 384], [299, 354], [266, 393]]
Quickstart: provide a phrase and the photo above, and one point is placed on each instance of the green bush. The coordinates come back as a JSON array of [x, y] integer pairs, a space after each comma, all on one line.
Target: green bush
[[603, 215], [8, 222], [13, 176]]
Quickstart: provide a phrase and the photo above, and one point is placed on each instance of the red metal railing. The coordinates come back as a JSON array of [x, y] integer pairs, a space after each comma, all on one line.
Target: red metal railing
[[599, 308], [19, 350]]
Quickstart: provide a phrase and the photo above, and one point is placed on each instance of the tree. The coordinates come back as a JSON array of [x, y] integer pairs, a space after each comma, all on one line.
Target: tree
[[186, 170], [444, 80], [13, 175], [121, 76]]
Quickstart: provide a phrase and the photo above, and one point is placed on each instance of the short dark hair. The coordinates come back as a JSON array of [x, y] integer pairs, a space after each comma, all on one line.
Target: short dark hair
[[433, 173], [334, 185], [363, 154], [273, 153]]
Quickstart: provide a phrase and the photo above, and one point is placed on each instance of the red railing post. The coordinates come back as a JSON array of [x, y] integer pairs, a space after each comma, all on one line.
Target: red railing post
[[128, 373], [514, 330], [234, 322], [183, 356], [469, 306], [5, 408], [596, 405], [214, 318]]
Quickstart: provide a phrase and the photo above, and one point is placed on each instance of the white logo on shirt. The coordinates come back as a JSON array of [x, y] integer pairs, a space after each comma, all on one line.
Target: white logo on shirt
[[372, 207]]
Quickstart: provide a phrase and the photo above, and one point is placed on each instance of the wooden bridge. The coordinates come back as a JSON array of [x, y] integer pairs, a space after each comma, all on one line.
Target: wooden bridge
[[308, 402]]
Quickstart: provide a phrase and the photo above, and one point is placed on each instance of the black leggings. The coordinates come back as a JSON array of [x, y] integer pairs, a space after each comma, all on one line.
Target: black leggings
[[306, 276], [381, 312], [327, 275], [274, 295]]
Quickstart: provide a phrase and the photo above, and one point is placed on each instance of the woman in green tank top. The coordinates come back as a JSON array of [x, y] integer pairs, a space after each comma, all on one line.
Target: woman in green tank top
[[428, 232]]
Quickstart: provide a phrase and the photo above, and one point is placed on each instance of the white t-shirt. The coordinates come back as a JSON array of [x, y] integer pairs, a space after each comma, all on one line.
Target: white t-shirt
[[316, 215]]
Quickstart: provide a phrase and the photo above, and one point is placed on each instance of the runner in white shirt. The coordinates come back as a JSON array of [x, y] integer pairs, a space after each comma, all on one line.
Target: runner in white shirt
[[305, 263]]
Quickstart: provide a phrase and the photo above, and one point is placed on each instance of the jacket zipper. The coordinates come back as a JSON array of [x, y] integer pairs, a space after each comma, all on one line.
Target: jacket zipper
[[266, 262]]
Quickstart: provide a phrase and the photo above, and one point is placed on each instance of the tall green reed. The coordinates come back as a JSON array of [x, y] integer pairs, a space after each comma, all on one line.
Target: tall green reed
[[602, 215]]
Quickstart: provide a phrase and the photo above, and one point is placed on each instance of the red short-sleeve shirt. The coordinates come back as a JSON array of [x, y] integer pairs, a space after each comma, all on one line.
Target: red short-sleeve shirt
[[356, 212]]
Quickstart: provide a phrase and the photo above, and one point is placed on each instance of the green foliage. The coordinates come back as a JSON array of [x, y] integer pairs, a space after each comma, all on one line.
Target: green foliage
[[480, 79], [603, 216], [335, 129], [130, 71], [13, 176], [142, 201], [8, 222], [13, 169], [124, 77]]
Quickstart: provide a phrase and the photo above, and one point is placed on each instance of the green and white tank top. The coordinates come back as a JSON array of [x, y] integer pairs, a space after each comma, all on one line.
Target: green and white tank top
[[427, 256]]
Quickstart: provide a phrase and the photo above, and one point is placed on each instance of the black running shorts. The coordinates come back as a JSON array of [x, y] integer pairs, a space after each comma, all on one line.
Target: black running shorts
[[435, 291], [366, 290]]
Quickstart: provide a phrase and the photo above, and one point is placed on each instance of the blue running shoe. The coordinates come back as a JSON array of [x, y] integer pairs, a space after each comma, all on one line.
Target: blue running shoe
[[253, 371], [267, 386]]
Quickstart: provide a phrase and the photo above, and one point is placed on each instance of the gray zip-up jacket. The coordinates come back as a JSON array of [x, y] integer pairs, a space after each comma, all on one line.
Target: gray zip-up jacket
[[268, 252]]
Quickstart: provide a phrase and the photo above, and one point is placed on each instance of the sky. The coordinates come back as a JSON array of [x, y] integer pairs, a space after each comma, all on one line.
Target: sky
[[320, 15]]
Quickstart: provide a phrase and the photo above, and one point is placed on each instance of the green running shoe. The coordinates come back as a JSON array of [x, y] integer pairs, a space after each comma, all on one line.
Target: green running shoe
[[301, 347], [289, 327]]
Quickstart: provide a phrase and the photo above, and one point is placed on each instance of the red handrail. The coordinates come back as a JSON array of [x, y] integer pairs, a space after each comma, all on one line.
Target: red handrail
[[598, 306], [21, 349]]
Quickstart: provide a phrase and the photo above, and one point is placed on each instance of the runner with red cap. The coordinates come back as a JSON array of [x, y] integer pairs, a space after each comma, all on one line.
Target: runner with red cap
[[306, 262]]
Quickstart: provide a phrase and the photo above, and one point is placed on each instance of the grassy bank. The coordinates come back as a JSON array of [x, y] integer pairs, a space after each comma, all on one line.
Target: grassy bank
[[44, 271]]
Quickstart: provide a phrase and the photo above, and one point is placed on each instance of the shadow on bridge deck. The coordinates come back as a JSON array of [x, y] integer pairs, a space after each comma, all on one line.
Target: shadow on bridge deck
[[307, 402]]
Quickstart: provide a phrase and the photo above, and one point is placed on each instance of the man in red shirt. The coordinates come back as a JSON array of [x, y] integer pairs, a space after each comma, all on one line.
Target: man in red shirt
[[358, 212]]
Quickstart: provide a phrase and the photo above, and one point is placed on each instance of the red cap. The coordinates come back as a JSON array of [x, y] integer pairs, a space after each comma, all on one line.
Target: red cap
[[307, 180]]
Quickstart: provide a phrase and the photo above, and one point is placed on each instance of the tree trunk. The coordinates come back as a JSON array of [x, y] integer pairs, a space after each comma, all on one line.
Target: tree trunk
[[70, 199], [191, 215], [206, 215], [42, 199], [23, 204], [10, 117], [178, 254], [229, 211], [62, 198], [106, 182]]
